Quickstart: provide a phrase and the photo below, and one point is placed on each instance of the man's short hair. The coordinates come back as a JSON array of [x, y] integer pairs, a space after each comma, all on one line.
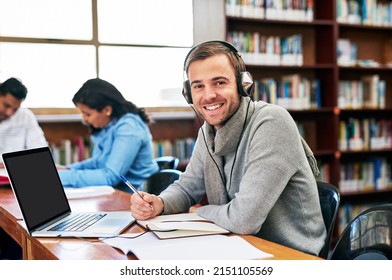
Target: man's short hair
[[14, 87]]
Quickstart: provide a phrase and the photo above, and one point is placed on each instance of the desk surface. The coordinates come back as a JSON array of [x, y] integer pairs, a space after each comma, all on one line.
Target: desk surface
[[93, 249]]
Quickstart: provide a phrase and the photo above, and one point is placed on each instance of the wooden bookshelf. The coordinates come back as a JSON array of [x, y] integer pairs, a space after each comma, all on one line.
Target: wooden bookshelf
[[319, 48], [373, 43]]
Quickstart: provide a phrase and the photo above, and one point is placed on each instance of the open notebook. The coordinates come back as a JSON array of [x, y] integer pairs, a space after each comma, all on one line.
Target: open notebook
[[181, 225]]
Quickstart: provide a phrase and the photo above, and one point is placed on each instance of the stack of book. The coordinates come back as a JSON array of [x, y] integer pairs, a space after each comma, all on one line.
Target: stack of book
[[301, 10], [371, 174], [259, 49], [365, 134], [367, 93], [367, 12], [71, 150], [292, 91]]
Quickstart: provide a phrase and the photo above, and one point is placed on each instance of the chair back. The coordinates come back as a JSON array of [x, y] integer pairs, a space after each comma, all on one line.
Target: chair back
[[159, 181], [167, 162], [329, 202], [367, 237]]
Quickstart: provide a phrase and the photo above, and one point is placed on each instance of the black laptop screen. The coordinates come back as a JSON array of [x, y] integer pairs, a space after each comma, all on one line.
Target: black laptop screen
[[36, 184]]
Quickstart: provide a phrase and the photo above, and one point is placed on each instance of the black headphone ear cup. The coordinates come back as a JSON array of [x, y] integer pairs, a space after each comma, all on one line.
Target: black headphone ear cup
[[245, 84], [186, 92]]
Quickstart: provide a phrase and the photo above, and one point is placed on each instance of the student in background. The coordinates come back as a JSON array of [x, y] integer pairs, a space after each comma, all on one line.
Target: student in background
[[249, 159], [121, 139], [19, 128]]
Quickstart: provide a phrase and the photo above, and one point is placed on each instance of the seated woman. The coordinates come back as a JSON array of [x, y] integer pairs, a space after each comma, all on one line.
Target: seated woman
[[121, 139]]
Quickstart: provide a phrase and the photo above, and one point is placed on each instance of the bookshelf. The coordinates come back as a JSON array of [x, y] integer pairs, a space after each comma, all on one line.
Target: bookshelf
[[372, 53], [339, 49]]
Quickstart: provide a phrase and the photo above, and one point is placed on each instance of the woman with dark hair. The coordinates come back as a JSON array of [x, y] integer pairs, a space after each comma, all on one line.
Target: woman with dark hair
[[122, 142]]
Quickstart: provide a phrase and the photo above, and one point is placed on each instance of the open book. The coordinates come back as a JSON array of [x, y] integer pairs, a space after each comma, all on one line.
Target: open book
[[181, 225]]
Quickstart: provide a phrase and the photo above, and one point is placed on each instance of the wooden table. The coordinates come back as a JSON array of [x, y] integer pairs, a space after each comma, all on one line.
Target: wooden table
[[92, 248]]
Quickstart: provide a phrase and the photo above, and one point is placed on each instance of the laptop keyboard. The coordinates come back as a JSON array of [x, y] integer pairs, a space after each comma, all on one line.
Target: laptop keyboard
[[78, 222]]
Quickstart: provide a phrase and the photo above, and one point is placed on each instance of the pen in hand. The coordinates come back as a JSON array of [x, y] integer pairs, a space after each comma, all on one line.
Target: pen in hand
[[133, 188]]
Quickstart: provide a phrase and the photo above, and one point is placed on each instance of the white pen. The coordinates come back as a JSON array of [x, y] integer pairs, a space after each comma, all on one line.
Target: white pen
[[133, 188]]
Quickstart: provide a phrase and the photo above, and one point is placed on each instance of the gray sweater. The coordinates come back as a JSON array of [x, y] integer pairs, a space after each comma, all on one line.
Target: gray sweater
[[266, 188]]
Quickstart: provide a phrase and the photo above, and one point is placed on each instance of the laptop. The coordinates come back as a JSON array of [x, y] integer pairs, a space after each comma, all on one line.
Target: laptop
[[44, 205]]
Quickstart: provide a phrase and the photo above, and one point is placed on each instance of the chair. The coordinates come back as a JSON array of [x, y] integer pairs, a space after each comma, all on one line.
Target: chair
[[167, 162], [329, 201], [159, 181], [367, 237]]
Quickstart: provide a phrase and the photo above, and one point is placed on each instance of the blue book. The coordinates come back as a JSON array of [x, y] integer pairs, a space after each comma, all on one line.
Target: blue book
[[363, 11], [160, 149], [377, 172], [315, 94]]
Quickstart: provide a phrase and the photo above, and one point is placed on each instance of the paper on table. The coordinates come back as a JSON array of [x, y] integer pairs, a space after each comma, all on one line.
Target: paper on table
[[85, 192], [211, 247]]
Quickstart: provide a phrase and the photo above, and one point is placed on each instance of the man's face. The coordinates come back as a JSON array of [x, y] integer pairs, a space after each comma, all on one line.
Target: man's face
[[214, 89], [8, 106]]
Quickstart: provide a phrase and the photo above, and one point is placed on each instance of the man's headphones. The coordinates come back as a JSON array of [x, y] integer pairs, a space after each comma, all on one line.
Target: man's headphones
[[244, 79]]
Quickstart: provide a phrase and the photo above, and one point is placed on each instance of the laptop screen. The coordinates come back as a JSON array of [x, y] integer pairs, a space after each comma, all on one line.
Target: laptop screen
[[37, 186]]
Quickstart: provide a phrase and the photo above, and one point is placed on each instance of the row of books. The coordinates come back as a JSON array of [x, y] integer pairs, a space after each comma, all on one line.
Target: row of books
[[258, 49], [180, 148], [371, 174], [367, 12], [348, 211], [74, 150], [365, 134], [368, 92], [292, 92], [71, 150], [295, 10]]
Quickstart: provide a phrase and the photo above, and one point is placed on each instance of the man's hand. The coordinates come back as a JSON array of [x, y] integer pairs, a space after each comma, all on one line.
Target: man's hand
[[194, 208], [146, 208]]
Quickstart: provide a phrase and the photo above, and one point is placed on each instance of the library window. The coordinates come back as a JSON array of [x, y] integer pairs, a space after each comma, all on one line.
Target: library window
[[55, 46]]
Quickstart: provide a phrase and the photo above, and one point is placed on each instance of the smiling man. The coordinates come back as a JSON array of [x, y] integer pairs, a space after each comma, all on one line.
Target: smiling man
[[19, 128], [249, 159]]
